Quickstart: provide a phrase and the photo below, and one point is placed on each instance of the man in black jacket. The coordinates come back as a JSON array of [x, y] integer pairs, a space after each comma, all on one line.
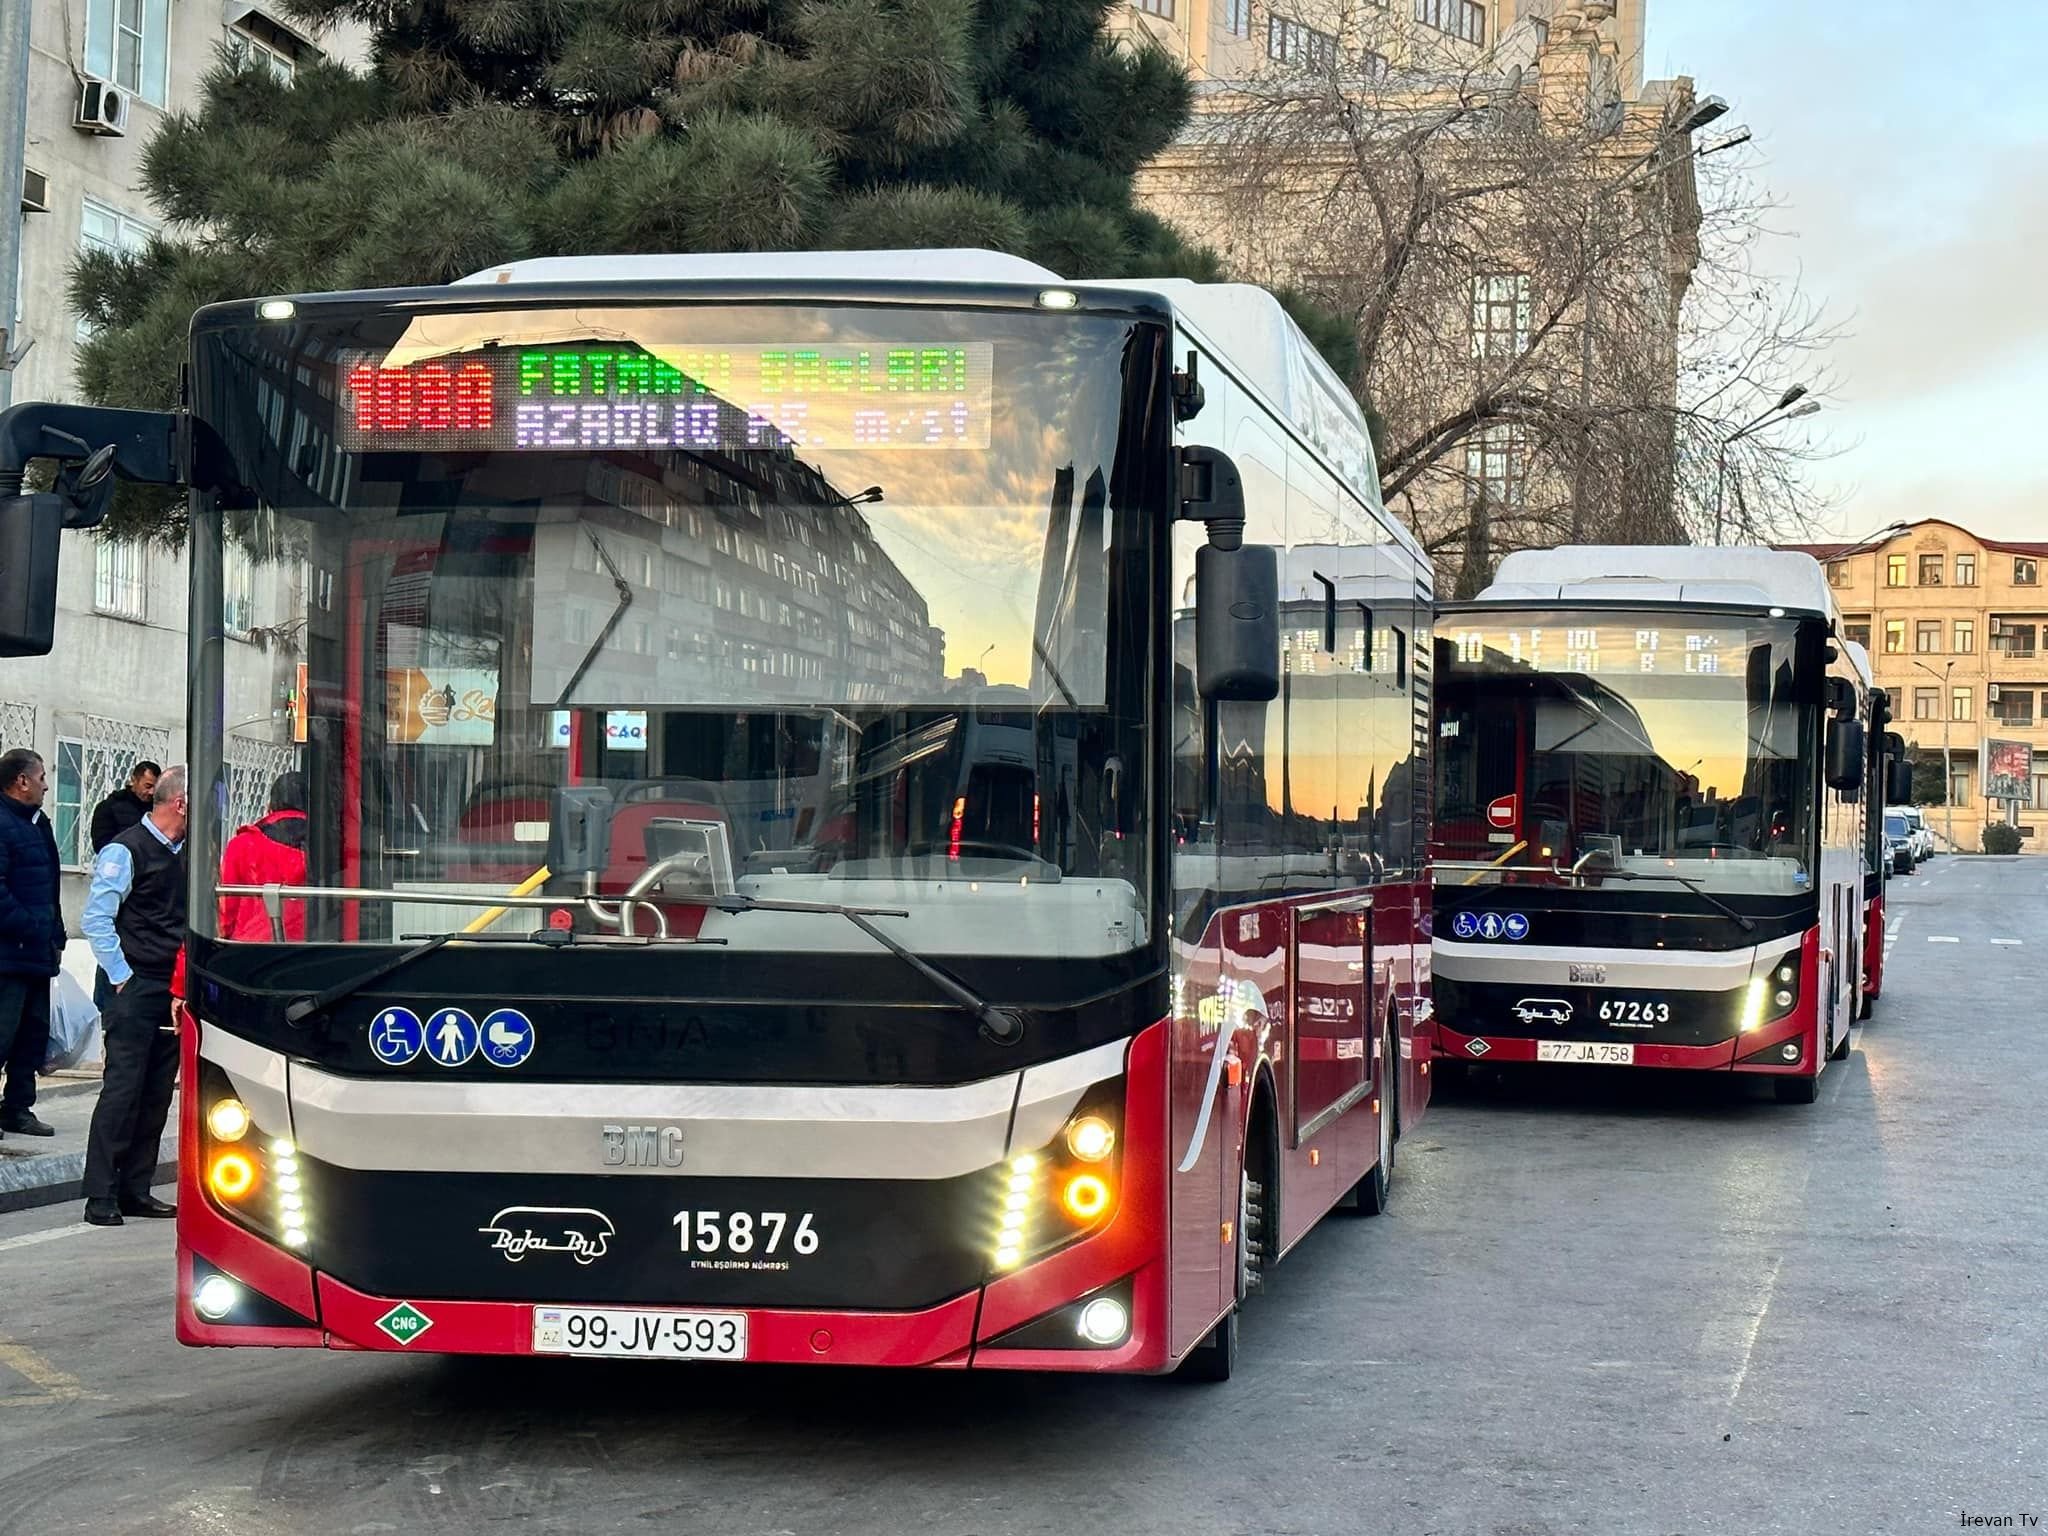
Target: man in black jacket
[[31, 935], [126, 806], [110, 818], [135, 917]]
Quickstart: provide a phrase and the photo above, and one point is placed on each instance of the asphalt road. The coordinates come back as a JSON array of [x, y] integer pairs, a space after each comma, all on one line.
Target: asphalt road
[[1648, 1307]]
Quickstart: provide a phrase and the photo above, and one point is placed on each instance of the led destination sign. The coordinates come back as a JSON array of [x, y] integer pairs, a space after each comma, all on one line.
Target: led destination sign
[[716, 399], [1595, 648]]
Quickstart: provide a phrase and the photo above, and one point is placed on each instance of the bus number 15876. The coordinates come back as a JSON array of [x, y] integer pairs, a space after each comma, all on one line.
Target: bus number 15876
[[741, 1232]]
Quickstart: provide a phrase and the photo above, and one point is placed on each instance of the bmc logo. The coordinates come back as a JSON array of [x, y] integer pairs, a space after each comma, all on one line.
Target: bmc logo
[[643, 1146]]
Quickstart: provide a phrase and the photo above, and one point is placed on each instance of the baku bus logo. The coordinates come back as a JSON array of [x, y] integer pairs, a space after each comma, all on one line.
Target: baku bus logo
[[581, 1233]]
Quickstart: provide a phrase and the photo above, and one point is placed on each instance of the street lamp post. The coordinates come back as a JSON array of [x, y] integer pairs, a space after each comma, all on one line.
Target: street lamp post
[[1708, 109], [1948, 772], [1786, 401]]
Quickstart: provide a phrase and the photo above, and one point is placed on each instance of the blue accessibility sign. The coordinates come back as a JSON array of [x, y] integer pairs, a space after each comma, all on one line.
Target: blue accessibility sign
[[1517, 926], [1492, 926], [451, 1036], [507, 1037], [1465, 925], [396, 1036]]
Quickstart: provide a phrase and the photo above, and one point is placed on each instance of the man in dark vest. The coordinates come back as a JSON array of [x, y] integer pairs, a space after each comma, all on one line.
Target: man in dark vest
[[135, 917]]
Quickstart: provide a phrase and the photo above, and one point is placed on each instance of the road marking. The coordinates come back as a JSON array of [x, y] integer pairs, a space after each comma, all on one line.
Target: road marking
[[57, 1386], [2015, 943], [1753, 1325], [1943, 938], [30, 1239]]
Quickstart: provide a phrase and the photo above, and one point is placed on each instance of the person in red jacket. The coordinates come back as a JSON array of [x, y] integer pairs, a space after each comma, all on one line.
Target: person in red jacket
[[269, 852]]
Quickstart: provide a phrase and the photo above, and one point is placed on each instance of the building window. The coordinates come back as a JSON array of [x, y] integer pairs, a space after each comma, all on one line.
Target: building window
[[67, 814], [1930, 570], [1894, 637], [1959, 788], [246, 50], [1289, 42], [101, 228], [1961, 703], [1237, 17], [128, 42], [2025, 573], [2013, 640], [1858, 631], [238, 592], [1162, 8], [1966, 636], [120, 580], [1966, 570], [1500, 314], [1375, 66], [1895, 570], [1462, 19], [1926, 703], [1838, 573], [2040, 792], [1494, 459], [1927, 636], [2013, 706]]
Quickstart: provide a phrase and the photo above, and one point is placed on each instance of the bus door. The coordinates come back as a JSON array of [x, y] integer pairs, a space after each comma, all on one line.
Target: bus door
[[1331, 963]]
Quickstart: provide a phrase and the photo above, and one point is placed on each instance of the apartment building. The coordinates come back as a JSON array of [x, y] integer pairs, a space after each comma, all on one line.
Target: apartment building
[[1233, 39], [103, 75], [1957, 629]]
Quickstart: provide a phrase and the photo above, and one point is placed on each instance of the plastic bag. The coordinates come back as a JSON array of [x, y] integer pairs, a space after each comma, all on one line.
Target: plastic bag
[[74, 1024]]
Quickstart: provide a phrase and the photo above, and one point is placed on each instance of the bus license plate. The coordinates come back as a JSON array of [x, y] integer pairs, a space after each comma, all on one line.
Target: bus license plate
[[639, 1334], [1597, 1053]]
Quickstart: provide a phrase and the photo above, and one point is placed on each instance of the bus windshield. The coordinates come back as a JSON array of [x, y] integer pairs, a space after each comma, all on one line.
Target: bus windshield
[[1640, 744], [841, 604]]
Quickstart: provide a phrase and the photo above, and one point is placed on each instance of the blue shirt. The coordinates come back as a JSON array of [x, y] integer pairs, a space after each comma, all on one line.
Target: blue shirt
[[113, 875]]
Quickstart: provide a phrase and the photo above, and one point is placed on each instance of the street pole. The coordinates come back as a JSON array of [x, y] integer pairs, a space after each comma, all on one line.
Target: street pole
[[14, 22]]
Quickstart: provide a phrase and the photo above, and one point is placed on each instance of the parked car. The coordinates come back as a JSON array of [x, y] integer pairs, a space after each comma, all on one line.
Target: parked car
[[1898, 842], [1916, 825]]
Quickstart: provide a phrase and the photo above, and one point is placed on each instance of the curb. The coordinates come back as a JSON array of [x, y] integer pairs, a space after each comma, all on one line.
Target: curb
[[55, 1177]]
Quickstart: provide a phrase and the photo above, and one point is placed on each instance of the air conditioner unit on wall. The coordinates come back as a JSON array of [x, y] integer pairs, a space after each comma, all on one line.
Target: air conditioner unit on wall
[[102, 109], [35, 191]]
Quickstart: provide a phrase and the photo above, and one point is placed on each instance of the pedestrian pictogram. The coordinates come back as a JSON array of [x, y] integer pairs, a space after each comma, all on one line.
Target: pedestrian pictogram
[[405, 1322], [452, 1036]]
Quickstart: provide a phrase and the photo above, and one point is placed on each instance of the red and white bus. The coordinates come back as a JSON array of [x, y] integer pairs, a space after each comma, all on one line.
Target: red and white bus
[[819, 850], [1650, 818], [1889, 774]]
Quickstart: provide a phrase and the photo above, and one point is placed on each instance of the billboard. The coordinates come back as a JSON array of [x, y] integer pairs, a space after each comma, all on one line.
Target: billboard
[[2008, 770]]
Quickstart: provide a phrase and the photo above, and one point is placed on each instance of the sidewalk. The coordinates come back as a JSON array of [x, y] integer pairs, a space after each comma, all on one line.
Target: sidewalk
[[48, 1170]]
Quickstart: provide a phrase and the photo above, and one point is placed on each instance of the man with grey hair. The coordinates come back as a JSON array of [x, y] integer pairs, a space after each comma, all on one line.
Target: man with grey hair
[[135, 918]]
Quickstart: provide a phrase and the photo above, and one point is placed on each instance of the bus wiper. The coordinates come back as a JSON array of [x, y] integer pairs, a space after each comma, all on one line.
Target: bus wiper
[[1000, 1026], [1740, 919], [300, 1009]]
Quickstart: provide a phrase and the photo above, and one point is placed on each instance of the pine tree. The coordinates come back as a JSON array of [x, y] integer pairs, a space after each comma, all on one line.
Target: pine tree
[[488, 130]]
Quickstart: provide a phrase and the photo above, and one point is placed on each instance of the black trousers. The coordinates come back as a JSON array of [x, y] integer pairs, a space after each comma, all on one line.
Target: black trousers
[[24, 1041], [135, 1095]]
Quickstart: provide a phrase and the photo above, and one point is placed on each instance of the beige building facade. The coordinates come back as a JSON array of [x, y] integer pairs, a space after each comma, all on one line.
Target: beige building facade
[[103, 76], [1957, 629], [1233, 39]]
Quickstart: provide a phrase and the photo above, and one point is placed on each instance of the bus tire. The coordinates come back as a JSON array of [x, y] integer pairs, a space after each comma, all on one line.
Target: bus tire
[[1369, 1196], [1796, 1090]]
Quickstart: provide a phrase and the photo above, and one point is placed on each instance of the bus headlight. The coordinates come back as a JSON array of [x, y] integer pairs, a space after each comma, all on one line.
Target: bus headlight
[[232, 1176], [1046, 1198], [1771, 997], [228, 1120], [1105, 1320], [1090, 1138], [215, 1297]]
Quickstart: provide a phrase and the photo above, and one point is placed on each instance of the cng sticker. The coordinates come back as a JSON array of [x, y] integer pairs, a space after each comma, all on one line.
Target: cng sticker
[[404, 1323], [1504, 812]]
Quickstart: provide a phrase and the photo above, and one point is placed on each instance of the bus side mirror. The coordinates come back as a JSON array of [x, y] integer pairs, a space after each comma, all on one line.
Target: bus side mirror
[[580, 831], [1237, 623], [1845, 755], [1898, 781], [29, 536], [1237, 586]]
